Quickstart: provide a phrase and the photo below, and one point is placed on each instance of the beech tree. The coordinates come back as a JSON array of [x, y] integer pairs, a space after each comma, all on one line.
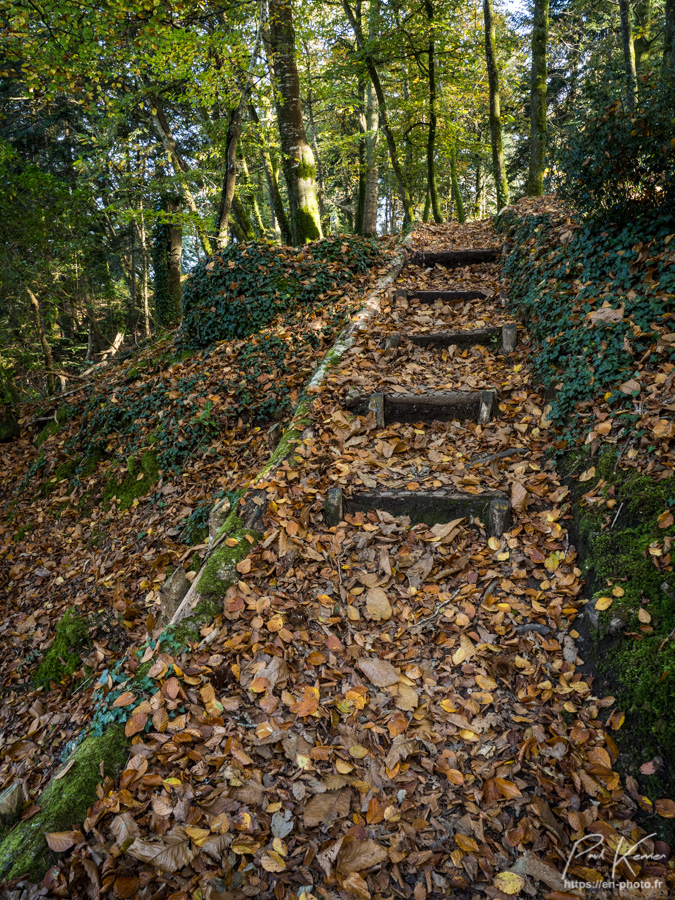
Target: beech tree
[[538, 119], [298, 159], [501, 183]]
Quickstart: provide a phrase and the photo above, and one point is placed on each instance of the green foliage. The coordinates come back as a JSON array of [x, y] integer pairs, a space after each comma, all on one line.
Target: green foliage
[[556, 284], [63, 657], [621, 164], [243, 288]]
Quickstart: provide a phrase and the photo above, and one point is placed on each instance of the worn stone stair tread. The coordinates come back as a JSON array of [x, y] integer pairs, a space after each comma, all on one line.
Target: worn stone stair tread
[[433, 296], [437, 406], [431, 507], [453, 258], [506, 336]]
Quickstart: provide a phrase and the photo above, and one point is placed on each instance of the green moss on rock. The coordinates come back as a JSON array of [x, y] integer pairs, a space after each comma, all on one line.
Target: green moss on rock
[[63, 803], [132, 487], [63, 657]]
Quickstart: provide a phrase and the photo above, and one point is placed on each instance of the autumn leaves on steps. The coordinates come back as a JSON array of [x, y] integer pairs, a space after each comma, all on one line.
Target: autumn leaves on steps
[[438, 506]]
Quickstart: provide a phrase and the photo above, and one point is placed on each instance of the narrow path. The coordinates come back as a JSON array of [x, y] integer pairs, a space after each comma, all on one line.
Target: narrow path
[[388, 709]]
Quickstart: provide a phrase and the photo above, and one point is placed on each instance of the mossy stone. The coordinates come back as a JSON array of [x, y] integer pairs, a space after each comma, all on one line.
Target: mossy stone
[[63, 657], [132, 487], [63, 803]]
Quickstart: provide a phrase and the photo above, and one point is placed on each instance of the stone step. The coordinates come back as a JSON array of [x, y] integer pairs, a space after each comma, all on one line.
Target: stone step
[[439, 406], [492, 508], [450, 259], [506, 337], [445, 296]]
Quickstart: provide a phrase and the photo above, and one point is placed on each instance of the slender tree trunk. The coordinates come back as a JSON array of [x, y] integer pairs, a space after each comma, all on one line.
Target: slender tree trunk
[[628, 52], [501, 183], [276, 200], [229, 177], [299, 165], [258, 224], [42, 337], [433, 119], [538, 126], [427, 206], [643, 41], [323, 213], [456, 193], [478, 201], [144, 270], [175, 254], [668, 70], [361, 196], [372, 135], [246, 232], [404, 192]]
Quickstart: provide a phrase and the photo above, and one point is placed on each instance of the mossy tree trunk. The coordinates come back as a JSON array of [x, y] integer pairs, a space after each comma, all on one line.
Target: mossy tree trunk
[[433, 119], [669, 42], [298, 161], [642, 39], [368, 59], [628, 52], [538, 125], [166, 264], [501, 183], [229, 177]]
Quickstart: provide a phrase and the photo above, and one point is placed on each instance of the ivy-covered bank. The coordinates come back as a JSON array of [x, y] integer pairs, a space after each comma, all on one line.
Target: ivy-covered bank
[[597, 300]]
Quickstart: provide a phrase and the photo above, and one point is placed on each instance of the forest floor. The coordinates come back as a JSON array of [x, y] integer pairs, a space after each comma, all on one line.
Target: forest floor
[[379, 710]]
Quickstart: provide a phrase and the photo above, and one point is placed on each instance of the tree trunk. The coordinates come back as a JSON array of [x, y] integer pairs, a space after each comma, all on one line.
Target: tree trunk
[[229, 177], [456, 193], [246, 232], [643, 41], [276, 200], [164, 132], [501, 183], [538, 127], [431, 139], [258, 224], [42, 337], [299, 166], [361, 196], [478, 201], [175, 254], [144, 270], [669, 42], [628, 52], [383, 114]]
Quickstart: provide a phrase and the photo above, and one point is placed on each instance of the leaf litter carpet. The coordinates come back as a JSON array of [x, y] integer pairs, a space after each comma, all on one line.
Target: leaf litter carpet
[[383, 710]]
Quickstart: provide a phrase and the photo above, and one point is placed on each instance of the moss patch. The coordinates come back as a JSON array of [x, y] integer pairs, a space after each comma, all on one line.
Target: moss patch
[[62, 804], [625, 552], [220, 569], [63, 657], [142, 475]]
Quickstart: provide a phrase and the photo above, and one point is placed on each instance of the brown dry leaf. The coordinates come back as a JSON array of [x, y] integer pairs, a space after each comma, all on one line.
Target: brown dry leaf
[[378, 605], [359, 855], [125, 699], [136, 724], [507, 788], [378, 671], [327, 808], [167, 854], [519, 497], [606, 315], [665, 808], [60, 841], [407, 699]]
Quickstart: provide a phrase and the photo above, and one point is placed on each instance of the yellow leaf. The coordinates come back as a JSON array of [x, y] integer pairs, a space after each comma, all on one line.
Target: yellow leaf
[[665, 520], [644, 616], [588, 474], [604, 603], [509, 883]]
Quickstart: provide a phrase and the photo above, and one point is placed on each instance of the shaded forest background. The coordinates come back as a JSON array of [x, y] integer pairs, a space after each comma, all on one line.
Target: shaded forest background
[[139, 137]]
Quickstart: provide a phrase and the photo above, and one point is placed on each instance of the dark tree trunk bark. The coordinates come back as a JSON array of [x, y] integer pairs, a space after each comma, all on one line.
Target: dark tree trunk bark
[[501, 183], [433, 119], [669, 42], [229, 178], [628, 52], [299, 165], [175, 255], [42, 337], [538, 125]]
